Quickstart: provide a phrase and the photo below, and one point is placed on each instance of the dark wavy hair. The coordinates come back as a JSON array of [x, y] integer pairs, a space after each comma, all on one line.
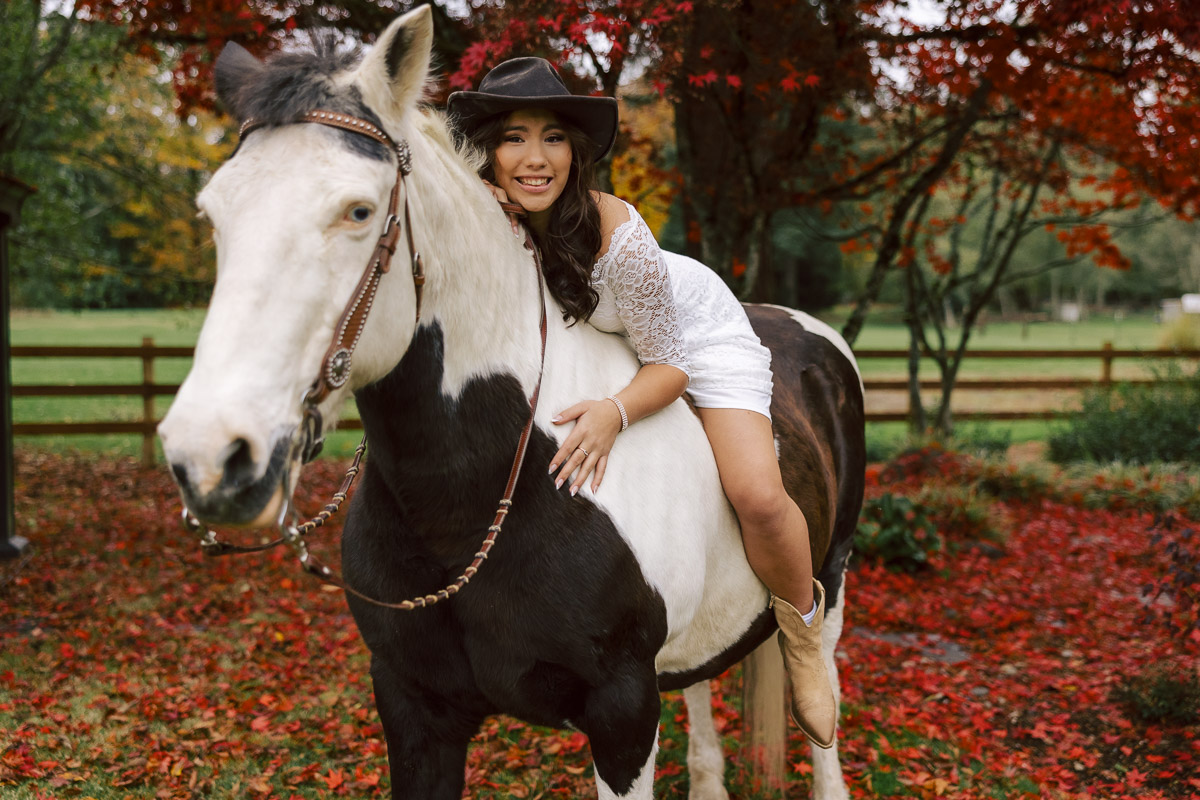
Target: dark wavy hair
[[572, 238]]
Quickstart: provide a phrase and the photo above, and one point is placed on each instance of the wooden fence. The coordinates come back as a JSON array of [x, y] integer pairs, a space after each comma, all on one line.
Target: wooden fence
[[1106, 355], [149, 389]]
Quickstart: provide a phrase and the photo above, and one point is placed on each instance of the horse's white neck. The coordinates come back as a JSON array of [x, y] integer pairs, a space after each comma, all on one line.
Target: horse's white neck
[[481, 284]]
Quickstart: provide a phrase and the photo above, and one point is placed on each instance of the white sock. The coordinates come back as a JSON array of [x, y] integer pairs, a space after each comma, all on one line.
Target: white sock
[[812, 613]]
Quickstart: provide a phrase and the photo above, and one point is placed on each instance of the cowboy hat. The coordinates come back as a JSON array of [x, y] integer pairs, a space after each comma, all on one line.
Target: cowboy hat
[[534, 83]]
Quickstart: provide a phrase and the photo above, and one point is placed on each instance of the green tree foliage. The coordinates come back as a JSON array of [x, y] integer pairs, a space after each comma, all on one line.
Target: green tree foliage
[[112, 223], [34, 45]]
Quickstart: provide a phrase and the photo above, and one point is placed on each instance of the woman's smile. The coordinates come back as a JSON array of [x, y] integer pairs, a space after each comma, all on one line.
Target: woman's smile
[[537, 185]]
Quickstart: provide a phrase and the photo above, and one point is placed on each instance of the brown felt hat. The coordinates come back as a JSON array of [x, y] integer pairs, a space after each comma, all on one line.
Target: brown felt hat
[[535, 83]]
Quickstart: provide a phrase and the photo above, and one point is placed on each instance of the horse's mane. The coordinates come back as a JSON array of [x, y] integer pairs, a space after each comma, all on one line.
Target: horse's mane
[[438, 127], [292, 83]]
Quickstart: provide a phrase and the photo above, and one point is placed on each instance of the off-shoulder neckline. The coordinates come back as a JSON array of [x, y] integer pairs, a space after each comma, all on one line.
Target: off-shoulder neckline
[[618, 235]]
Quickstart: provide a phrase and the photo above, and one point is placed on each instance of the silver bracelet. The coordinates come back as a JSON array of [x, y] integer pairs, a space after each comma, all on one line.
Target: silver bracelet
[[621, 408]]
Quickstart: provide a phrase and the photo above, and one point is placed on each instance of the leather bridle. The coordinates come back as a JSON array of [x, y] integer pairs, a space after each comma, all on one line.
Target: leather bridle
[[334, 372], [335, 365]]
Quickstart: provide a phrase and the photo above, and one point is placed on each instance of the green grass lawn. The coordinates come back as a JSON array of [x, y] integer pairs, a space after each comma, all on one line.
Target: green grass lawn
[[168, 328], [181, 327], [1130, 333]]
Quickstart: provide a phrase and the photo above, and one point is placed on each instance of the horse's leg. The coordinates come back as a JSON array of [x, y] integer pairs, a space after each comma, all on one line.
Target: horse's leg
[[706, 756], [621, 722], [828, 781], [427, 745]]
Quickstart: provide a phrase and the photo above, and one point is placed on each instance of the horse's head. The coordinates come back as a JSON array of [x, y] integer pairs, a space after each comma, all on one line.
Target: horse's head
[[297, 213]]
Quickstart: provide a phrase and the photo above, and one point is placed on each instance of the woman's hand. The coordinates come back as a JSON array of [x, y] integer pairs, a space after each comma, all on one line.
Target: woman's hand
[[585, 450], [597, 422], [502, 197]]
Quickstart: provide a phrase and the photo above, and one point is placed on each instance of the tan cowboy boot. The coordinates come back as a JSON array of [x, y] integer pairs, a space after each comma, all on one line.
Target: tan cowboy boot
[[813, 706]]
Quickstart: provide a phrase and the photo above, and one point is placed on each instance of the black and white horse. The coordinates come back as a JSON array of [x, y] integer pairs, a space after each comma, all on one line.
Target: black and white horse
[[589, 606]]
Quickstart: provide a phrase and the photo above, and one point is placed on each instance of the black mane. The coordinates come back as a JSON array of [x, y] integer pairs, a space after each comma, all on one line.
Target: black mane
[[280, 89]]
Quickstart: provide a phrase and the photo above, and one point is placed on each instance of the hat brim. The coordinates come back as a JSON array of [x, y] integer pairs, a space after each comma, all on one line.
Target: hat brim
[[595, 116]]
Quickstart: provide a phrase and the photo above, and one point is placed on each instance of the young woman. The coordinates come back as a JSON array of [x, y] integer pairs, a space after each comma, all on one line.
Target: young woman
[[603, 266]]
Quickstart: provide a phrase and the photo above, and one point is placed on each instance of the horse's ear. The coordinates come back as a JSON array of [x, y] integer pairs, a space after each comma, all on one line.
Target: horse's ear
[[235, 67], [392, 76]]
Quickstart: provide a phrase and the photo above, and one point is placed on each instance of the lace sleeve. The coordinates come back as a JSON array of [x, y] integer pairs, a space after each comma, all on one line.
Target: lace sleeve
[[636, 273]]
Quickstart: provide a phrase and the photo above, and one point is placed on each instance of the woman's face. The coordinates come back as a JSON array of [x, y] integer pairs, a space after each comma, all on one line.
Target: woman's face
[[533, 160]]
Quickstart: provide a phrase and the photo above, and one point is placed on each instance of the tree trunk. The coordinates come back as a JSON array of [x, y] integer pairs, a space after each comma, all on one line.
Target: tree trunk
[[889, 245], [944, 424], [916, 407], [754, 258], [725, 230]]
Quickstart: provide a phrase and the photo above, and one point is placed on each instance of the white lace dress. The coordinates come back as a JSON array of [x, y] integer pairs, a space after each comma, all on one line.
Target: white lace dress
[[676, 311]]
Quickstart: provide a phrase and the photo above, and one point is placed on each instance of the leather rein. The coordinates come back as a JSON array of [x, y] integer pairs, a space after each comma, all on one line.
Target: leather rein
[[335, 371]]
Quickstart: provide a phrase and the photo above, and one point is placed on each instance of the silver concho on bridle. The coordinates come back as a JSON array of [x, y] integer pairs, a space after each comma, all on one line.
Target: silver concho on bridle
[[337, 371]]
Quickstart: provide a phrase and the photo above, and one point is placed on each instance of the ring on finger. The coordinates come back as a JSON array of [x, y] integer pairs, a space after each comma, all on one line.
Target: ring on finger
[[585, 452]]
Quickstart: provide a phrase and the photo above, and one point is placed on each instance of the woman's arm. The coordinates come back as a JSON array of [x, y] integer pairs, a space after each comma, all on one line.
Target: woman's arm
[[637, 275], [597, 423]]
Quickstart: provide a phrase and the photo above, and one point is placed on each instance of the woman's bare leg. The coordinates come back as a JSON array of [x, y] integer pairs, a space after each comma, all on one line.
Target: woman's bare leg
[[774, 531], [775, 535]]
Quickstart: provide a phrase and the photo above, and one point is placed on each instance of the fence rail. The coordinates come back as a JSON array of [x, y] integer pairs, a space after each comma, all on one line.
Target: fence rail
[[149, 389], [1106, 356]]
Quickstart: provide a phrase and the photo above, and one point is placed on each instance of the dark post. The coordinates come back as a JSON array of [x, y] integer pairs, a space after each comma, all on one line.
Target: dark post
[[12, 194], [148, 401]]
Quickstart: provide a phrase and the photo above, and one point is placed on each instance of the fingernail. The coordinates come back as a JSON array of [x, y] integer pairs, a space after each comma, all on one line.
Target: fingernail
[[556, 418], [558, 483], [552, 468], [574, 489]]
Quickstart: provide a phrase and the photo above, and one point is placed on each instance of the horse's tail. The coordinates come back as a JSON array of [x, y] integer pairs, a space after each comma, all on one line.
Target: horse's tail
[[764, 715]]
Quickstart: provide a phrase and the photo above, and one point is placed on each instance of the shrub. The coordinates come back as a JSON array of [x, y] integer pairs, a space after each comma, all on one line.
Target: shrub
[[1136, 424], [1116, 486], [981, 439], [882, 445], [961, 513], [897, 532], [1163, 694], [931, 460], [1006, 481], [1182, 333]]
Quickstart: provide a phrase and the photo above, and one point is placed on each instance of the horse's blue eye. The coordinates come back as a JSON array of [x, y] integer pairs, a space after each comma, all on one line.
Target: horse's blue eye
[[360, 213]]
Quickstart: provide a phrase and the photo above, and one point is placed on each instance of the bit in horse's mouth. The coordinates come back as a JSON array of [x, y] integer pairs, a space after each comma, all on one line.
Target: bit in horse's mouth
[[242, 503]]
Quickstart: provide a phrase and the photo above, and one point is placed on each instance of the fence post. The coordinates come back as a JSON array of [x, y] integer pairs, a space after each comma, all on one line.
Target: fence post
[[1106, 369], [12, 194], [147, 401]]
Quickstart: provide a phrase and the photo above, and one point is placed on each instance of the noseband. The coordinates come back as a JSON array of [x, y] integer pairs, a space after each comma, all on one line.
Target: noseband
[[335, 371]]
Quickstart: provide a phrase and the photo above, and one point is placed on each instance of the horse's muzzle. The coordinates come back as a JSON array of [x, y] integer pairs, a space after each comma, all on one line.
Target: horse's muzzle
[[240, 498]]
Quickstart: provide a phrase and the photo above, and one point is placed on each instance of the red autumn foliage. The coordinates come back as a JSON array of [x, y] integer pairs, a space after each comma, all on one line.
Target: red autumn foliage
[[193, 32], [879, 102], [129, 658]]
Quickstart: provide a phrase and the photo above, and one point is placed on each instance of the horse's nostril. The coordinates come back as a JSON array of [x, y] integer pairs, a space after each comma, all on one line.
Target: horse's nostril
[[239, 465], [180, 473]]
